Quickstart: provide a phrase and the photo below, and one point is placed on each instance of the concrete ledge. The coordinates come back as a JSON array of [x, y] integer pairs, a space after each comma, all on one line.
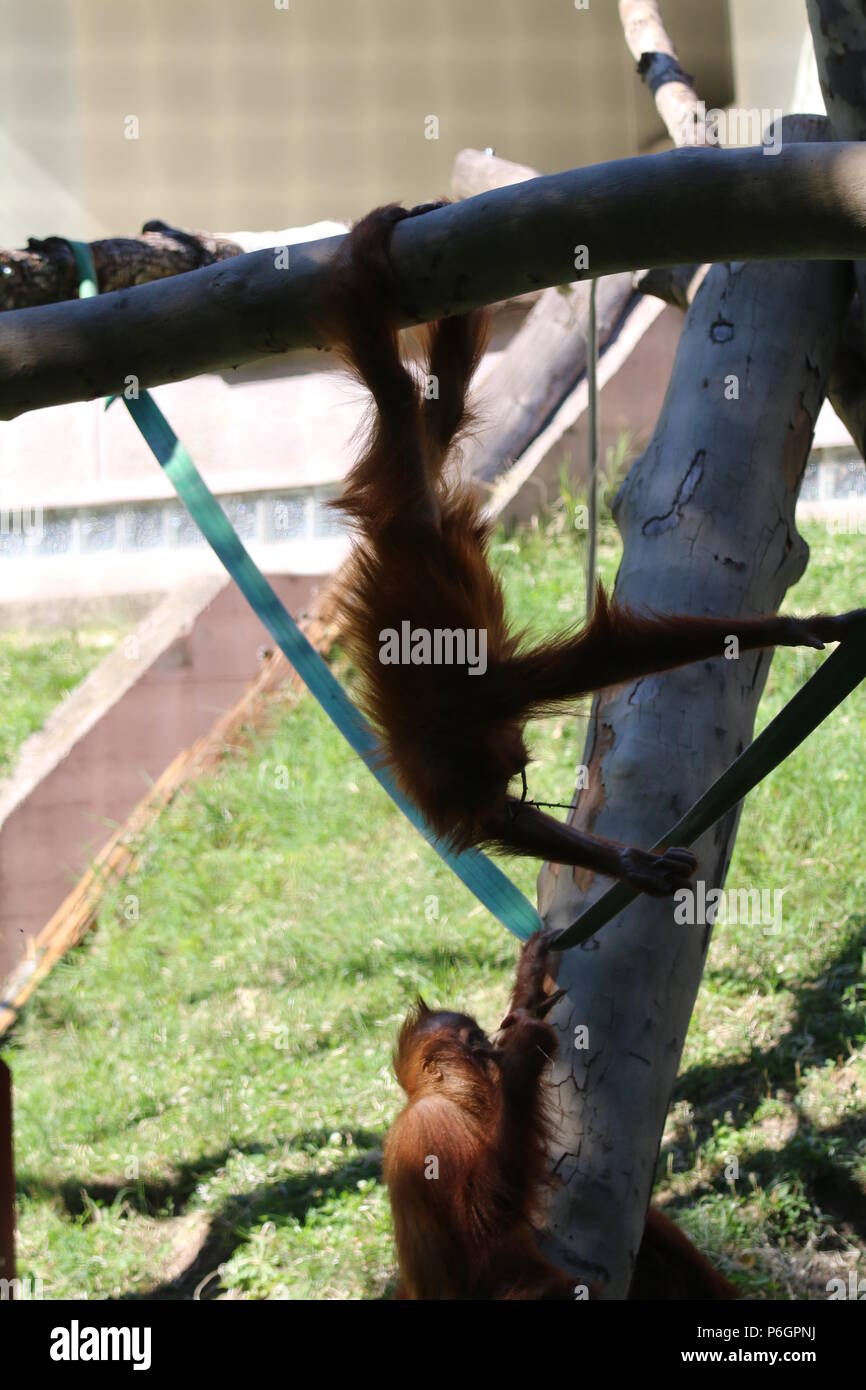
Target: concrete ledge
[[107, 683]]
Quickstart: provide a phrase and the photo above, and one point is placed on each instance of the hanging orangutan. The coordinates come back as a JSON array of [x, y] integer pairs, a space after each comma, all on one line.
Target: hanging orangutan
[[420, 583]]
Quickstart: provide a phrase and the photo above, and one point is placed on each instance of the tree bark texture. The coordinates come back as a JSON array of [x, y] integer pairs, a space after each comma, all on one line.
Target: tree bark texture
[[707, 517]]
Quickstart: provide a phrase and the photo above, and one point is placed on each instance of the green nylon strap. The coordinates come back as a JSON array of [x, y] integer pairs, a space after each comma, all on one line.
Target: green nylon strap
[[489, 884], [87, 286], [841, 673]]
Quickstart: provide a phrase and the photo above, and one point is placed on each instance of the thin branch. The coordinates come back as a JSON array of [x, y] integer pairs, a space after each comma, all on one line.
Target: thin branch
[[677, 103], [659, 67], [807, 202]]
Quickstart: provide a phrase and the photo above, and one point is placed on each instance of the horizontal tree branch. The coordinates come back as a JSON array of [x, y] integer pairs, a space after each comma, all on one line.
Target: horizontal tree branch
[[477, 171], [807, 202]]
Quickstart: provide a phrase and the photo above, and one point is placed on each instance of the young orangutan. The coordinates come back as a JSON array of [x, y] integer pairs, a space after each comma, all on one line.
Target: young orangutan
[[466, 1161], [453, 733]]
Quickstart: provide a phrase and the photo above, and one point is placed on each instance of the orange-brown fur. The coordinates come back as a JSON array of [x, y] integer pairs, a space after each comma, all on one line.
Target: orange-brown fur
[[455, 740], [466, 1228]]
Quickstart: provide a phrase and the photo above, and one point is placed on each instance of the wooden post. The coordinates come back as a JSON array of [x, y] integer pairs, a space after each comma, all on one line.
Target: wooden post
[[7, 1182]]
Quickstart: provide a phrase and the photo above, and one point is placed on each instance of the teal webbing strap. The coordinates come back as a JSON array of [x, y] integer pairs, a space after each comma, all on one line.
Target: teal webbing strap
[[87, 286], [479, 873], [834, 680], [489, 884]]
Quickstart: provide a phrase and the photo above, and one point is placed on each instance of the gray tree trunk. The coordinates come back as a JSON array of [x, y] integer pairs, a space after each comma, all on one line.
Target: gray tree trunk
[[707, 517], [839, 37]]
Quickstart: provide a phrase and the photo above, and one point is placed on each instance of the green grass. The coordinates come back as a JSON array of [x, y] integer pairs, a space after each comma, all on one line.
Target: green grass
[[206, 1082], [37, 669]]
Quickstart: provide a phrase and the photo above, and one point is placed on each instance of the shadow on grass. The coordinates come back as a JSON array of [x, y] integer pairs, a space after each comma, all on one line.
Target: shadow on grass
[[820, 1031], [168, 1195], [227, 1228], [828, 1184], [821, 1028]]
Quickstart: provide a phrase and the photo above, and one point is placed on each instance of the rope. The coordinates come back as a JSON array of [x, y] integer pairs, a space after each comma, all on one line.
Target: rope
[[594, 444]]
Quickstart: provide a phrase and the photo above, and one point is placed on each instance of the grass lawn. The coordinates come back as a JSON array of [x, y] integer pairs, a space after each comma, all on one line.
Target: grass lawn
[[207, 1080], [37, 669]]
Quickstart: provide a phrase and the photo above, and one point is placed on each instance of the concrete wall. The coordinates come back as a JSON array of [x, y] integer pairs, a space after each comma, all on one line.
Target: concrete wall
[[767, 41], [254, 115]]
